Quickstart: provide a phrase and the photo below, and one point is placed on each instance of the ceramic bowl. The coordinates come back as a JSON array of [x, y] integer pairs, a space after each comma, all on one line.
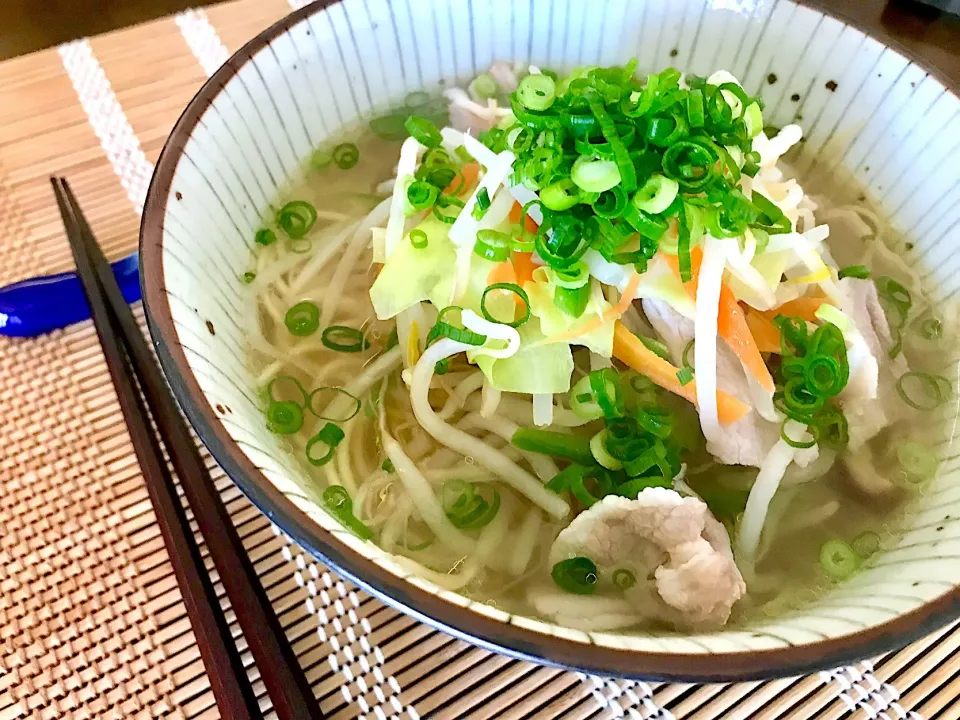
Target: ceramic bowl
[[867, 110]]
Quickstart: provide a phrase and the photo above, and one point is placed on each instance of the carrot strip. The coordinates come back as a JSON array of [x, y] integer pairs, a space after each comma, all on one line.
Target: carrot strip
[[801, 307], [502, 272], [523, 267], [470, 173], [628, 348], [765, 333], [731, 324], [529, 224]]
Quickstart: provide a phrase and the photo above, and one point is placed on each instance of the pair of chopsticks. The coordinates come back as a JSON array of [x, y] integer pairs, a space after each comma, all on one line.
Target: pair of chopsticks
[[134, 371]]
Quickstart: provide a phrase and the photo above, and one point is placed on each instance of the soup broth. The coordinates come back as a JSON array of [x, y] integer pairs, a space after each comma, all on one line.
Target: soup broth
[[342, 387]]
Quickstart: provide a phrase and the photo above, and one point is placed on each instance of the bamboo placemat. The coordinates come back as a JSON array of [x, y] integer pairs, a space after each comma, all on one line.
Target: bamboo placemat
[[91, 621]]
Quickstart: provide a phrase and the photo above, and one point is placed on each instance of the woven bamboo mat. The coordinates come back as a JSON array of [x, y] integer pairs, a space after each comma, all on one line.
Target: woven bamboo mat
[[91, 621]]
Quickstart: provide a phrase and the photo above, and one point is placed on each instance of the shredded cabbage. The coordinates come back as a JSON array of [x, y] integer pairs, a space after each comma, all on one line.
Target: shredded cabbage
[[538, 367], [554, 322], [411, 274]]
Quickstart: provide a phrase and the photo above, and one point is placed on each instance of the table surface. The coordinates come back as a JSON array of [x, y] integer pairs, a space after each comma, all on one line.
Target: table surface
[[91, 620]]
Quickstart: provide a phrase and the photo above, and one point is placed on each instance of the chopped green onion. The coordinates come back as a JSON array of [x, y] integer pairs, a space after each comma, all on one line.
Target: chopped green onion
[[442, 328], [346, 155], [303, 319], [896, 295], [583, 401], [606, 387], [277, 390], [329, 436], [573, 277], [657, 194], [799, 444], [338, 503], [445, 201], [917, 460], [265, 236], [536, 92], [684, 376], [482, 204], [418, 238], [465, 507], [866, 543], [861, 272], [598, 449], [284, 417], [423, 131], [623, 579], [344, 339], [685, 355], [655, 346], [422, 195], [333, 392], [593, 175], [574, 478], [572, 301], [576, 575], [508, 287], [930, 328], [492, 245], [387, 466], [296, 218], [560, 195], [485, 86], [933, 390], [550, 442], [249, 277], [838, 560]]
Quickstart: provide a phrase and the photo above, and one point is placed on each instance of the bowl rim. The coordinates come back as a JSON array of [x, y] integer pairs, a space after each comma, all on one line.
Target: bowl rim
[[456, 620]]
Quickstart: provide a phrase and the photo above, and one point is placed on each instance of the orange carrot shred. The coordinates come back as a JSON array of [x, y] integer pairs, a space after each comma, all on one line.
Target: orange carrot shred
[[628, 348]]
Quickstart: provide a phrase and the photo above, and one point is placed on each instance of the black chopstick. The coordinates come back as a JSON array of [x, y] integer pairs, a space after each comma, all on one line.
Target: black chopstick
[[285, 681]]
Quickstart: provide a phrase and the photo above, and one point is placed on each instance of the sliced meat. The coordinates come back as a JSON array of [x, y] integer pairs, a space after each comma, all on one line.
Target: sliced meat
[[870, 401], [469, 116], [677, 551], [744, 442]]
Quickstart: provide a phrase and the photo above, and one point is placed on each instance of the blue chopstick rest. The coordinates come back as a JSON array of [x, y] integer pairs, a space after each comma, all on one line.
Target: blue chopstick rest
[[40, 305]]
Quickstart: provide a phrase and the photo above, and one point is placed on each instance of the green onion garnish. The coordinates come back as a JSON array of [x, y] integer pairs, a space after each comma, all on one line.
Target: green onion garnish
[[684, 375], [657, 194], [550, 442], [284, 417], [799, 444], [866, 543], [624, 579], [302, 319], [560, 195], [418, 238], [917, 461], [861, 272], [329, 436], [838, 560], [930, 328], [422, 195], [928, 392], [574, 479], [265, 236], [249, 277], [493, 245], [512, 288], [423, 131], [483, 202], [338, 503], [296, 218], [465, 506], [536, 92], [346, 155], [387, 466], [894, 297], [577, 575], [324, 395], [457, 333], [685, 355], [485, 86], [445, 201], [572, 301], [287, 387], [344, 339]]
